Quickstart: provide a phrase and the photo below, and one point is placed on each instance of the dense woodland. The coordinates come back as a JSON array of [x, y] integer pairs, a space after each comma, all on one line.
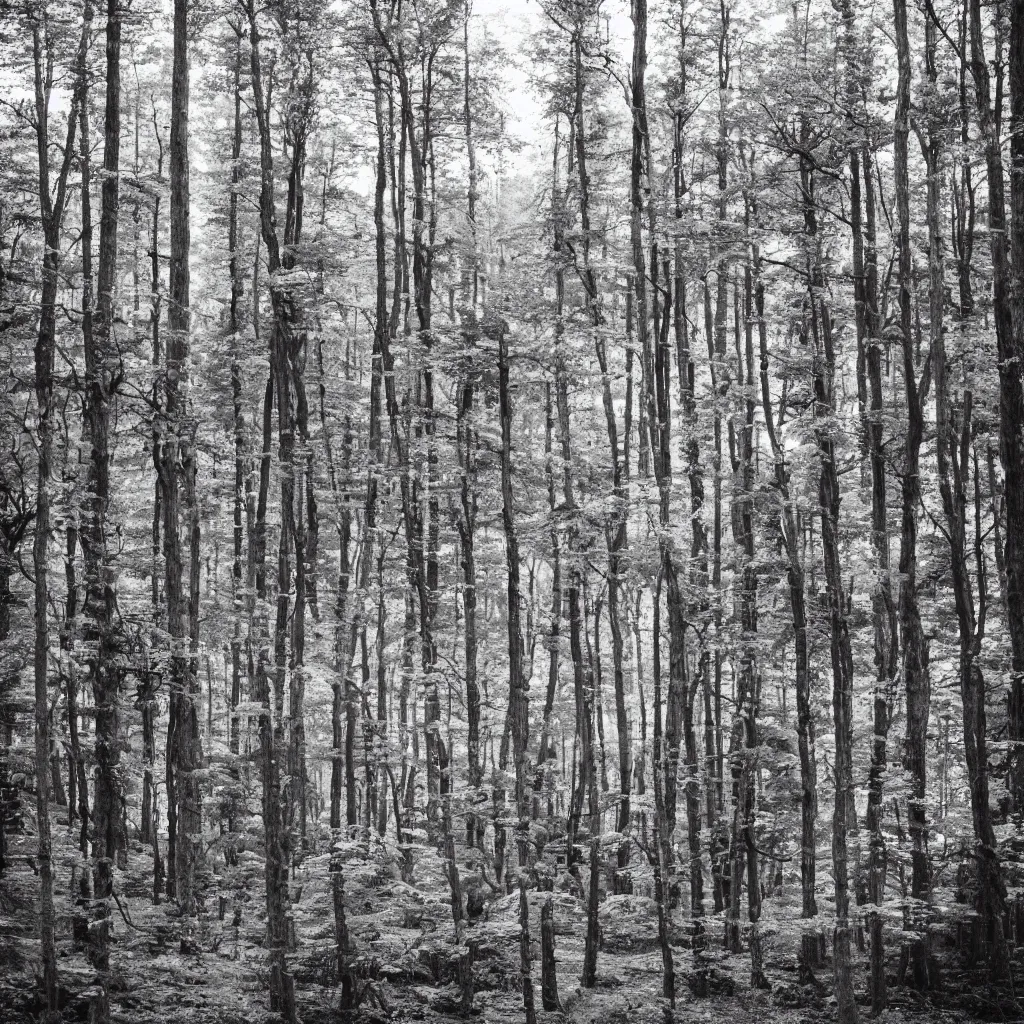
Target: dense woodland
[[511, 512]]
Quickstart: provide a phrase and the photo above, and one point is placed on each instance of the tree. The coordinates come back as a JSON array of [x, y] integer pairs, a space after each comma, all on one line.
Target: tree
[[103, 372], [52, 207], [177, 450]]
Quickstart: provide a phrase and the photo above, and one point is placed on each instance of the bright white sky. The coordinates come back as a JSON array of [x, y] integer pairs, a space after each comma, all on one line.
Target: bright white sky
[[513, 21]]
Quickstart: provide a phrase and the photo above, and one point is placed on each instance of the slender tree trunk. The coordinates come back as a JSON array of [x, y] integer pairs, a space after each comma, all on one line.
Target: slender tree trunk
[[817, 330], [549, 968], [583, 679], [811, 939], [1011, 384], [74, 533], [101, 367], [78, 794], [748, 691], [178, 457], [547, 750], [842, 664], [242, 475], [273, 753], [662, 849], [699, 578], [466, 524], [518, 697], [52, 206], [914, 644]]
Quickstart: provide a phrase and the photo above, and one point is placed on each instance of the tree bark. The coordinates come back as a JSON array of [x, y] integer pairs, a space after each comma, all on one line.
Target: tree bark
[[287, 337], [1010, 345], [914, 644], [819, 327], [177, 466], [103, 372], [518, 711], [52, 206]]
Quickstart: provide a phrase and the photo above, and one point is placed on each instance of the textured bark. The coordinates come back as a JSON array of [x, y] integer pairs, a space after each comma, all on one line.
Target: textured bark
[[177, 471], [243, 477], [1011, 388], [873, 472], [420, 508], [795, 578], [99, 631], [350, 621], [1006, 315], [842, 697], [273, 751], [342, 942], [52, 206], [656, 358], [466, 523], [716, 331], [518, 694], [518, 697], [699, 577], [585, 784], [748, 682], [549, 969], [662, 850], [914, 645], [818, 332], [78, 788], [420, 503], [148, 697], [529, 1008], [380, 329], [518, 709], [547, 750], [282, 988], [74, 531], [288, 351]]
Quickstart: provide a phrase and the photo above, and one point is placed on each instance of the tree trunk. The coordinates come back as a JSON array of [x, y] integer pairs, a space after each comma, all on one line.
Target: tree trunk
[[101, 365], [549, 965], [177, 457], [748, 689], [662, 849], [242, 458], [52, 207], [915, 647], [286, 339], [518, 711], [842, 663], [1010, 343], [817, 330]]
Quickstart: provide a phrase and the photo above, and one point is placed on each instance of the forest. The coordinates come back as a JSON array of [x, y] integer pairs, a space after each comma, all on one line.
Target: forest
[[511, 509]]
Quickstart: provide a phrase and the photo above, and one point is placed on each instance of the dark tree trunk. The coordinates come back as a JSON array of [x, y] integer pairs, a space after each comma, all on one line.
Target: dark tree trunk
[[748, 688], [811, 938], [518, 711], [549, 967], [467, 458], [818, 326], [914, 644], [177, 469], [1010, 342], [242, 457], [99, 630], [52, 206], [662, 849], [286, 337]]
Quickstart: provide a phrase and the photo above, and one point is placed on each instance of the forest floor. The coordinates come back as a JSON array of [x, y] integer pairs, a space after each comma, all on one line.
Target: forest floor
[[404, 944]]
